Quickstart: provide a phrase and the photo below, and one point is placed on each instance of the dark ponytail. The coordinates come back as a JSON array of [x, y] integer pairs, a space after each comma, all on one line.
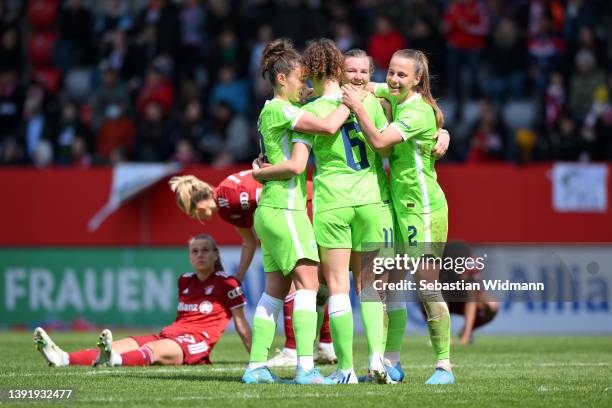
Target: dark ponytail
[[279, 57]]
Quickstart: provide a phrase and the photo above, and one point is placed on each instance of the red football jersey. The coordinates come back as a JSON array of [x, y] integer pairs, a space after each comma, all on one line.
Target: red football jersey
[[205, 306], [237, 198]]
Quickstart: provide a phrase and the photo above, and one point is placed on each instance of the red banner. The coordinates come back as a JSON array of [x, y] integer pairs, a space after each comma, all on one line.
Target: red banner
[[487, 203]]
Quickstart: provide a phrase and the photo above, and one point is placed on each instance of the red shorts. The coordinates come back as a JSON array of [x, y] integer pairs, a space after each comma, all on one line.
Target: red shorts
[[196, 349]]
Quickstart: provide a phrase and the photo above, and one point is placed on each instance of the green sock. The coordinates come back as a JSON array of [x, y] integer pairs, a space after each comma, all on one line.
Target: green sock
[[342, 334], [304, 327], [395, 332], [439, 333], [372, 315], [262, 337]]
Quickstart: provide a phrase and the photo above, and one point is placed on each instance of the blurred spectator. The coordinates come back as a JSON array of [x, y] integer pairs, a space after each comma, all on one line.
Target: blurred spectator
[[508, 61], [554, 100], [232, 90], [584, 84], [43, 154], [227, 140], [112, 98], [11, 102], [157, 88], [184, 153], [597, 131], [385, 40], [10, 50], [578, 14], [423, 36], [114, 17], [192, 127], [344, 37], [588, 40], [36, 125], [489, 135], [11, 152], [76, 28], [192, 20], [546, 51], [565, 142], [226, 50], [70, 129], [116, 136], [153, 141]]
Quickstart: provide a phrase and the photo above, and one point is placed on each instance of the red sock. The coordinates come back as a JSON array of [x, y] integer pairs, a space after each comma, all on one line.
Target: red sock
[[83, 357], [288, 314], [325, 333], [141, 357]]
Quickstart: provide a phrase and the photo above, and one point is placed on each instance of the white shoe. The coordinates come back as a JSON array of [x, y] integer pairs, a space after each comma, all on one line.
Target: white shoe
[[341, 377], [377, 371], [283, 359], [55, 356], [325, 354], [105, 347]]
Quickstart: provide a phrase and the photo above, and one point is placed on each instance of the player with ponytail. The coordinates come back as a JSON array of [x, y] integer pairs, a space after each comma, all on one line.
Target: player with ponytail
[[419, 203]]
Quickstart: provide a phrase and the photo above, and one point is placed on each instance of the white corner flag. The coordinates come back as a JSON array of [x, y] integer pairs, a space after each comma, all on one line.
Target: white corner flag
[[129, 179]]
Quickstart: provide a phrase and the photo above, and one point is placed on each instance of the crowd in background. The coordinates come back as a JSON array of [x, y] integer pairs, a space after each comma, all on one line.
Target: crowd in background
[[101, 82]]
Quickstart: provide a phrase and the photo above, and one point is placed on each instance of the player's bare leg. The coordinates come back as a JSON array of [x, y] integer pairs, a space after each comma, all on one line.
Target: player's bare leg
[[166, 352]]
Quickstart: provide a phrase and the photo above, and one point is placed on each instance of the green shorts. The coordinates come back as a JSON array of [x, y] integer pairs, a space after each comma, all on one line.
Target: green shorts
[[286, 237], [349, 227], [422, 234]]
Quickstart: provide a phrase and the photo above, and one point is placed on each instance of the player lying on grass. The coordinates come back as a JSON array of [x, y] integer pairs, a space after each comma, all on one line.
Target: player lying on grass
[[208, 299], [420, 208], [235, 200], [475, 306]]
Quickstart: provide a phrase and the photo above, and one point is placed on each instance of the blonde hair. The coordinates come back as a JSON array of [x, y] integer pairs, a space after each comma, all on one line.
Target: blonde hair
[[421, 70], [189, 191]]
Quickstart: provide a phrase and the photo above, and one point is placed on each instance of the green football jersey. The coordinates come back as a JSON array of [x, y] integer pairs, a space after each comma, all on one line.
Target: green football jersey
[[275, 125], [414, 184], [345, 165]]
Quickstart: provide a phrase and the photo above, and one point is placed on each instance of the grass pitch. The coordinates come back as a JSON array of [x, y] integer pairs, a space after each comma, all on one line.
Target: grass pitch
[[496, 371]]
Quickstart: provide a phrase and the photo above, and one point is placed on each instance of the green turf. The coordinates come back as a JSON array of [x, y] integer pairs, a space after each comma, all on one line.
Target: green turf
[[509, 371]]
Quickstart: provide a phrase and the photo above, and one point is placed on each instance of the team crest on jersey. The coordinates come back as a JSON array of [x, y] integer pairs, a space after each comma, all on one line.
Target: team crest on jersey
[[208, 290], [205, 307]]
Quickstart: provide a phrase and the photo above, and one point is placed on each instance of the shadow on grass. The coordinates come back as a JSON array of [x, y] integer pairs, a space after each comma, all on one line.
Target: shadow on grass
[[184, 377]]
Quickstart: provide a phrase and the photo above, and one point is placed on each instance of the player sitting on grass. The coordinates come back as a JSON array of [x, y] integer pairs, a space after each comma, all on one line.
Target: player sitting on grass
[[208, 298]]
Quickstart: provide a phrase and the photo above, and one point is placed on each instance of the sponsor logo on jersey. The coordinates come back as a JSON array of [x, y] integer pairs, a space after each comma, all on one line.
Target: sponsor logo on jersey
[[234, 293], [205, 307], [223, 202], [244, 200], [208, 290], [186, 291]]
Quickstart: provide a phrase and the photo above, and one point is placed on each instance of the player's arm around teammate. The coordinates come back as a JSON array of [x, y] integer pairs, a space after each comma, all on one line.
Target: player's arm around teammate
[[420, 208], [288, 247]]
